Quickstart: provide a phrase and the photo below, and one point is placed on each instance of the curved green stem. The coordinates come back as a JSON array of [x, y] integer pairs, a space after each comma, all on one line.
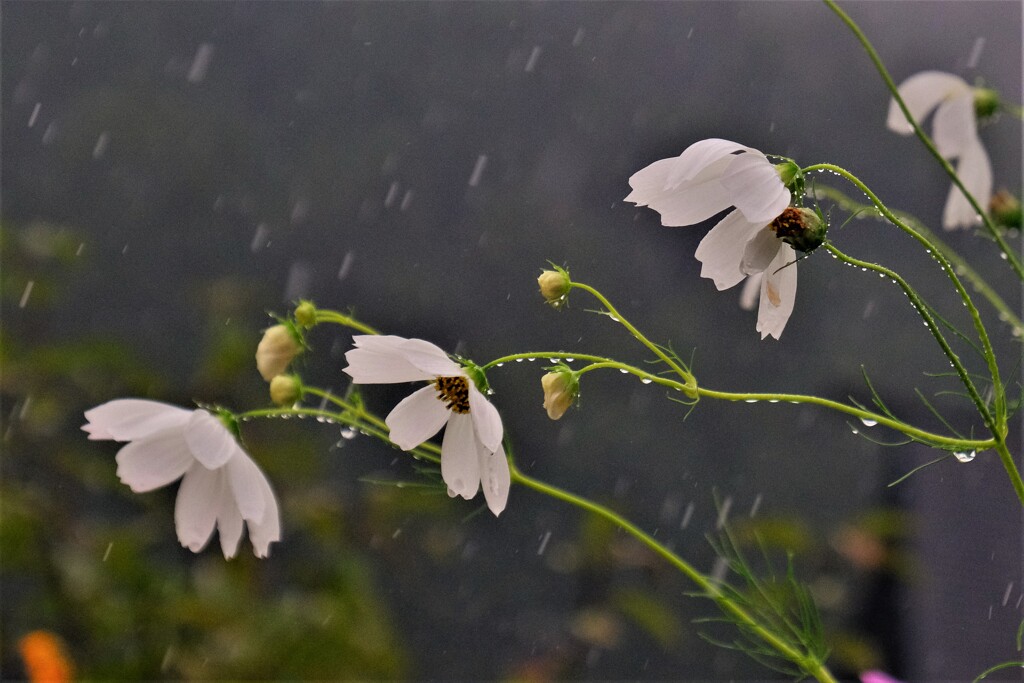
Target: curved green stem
[[996, 422], [326, 316], [1011, 469], [810, 665], [1011, 256], [553, 355], [691, 384], [960, 265], [929, 321]]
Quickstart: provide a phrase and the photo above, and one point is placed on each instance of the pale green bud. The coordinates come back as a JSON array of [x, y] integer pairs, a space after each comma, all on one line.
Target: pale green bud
[[305, 314], [285, 390], [986, 103], [554, 286], [277, 349], [561, 388], [1005, 209]]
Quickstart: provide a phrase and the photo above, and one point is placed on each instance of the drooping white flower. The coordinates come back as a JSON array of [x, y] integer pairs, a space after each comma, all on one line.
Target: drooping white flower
[[471, 451], [707, 178], [955, 132], [221, 486]]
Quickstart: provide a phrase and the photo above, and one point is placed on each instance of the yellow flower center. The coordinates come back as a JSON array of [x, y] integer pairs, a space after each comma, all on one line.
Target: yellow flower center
[[453, 392]]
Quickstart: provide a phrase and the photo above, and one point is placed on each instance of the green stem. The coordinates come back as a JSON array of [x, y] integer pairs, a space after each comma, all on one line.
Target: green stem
[[929, 321], [960, 265], [709, 587], [600, 362], [326, 316], [1011, 469], [996, 423], [691, 383], [554, 355], [1011, 256]]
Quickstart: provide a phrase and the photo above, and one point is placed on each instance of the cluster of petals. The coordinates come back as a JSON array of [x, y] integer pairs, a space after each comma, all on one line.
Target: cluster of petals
[[955, 132], [709, 177], [471, 451], [221, 486]]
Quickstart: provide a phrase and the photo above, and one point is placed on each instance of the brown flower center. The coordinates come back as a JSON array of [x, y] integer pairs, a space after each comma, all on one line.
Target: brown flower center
[[454, 393], [790, 223]]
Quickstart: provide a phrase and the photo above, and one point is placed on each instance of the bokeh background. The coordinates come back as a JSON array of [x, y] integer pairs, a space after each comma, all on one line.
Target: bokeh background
[[172, 172]]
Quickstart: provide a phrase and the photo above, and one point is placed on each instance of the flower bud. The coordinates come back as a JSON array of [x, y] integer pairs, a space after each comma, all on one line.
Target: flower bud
[[279, 346], [285, 390], [802, 229], [305, 314], [1005, 209], [554, 286], [561, 388], [986, 103], [788, 172]]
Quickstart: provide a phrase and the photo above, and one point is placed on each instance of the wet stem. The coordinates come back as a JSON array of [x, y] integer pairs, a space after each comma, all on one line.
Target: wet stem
[[997, 422], [993, 232], [807, 663]]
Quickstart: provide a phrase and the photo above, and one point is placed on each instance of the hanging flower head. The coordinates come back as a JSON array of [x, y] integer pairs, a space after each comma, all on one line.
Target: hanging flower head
[[709, 177], [955, 132], [471, 451], [220, 484]]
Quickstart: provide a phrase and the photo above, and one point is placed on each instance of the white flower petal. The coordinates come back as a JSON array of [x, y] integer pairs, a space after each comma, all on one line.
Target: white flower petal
[[755, 187], [200, 497], [429, 358], [378, 359], [229, 527], [923, 92], [417, 417], [751, 290], [954, 126], [460, 460], [760, 251], [694, 201], [778, 293], [150, 463], [209, 440], [649, 182], [486, 420], [495, 479], [126, 419], [268, 529], [975, 172], [245, 481], [721, 250], [696, 158]]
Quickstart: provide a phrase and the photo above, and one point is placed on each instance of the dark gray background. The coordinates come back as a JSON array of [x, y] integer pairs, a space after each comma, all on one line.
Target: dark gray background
[[327, 152]]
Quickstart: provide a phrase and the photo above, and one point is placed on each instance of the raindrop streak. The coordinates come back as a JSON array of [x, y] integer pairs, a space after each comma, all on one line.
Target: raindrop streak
[[35, 114], [200, 63], [406, 200], [478, 170], [544, 543], [979, 45], [110, 546], [259, 240], [965, 457], [346, 265], [102, 142], [687, 514], [531, 63], [1006, 595], [392, 194], [578, 38], [25, 295], [50, 133], [723, 514], [756, 506]]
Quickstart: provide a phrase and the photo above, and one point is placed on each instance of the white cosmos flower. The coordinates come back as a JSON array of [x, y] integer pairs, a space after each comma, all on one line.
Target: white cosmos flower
[[955, 132], [471, 451], [220, 484], [707, 178]]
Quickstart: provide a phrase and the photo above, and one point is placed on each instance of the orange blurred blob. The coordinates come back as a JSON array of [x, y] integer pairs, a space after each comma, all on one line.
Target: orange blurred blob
[[45, 658]]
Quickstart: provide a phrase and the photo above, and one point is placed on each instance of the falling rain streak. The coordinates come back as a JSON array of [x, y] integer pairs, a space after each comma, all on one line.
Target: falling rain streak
[[26, 294]]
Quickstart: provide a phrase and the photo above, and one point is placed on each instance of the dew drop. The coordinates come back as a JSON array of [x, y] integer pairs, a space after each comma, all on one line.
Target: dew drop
[[750, 400], [646, 380], [965, 457], [624, 371], [348, 433], [868, 423], [519, 360], [499, 365]]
